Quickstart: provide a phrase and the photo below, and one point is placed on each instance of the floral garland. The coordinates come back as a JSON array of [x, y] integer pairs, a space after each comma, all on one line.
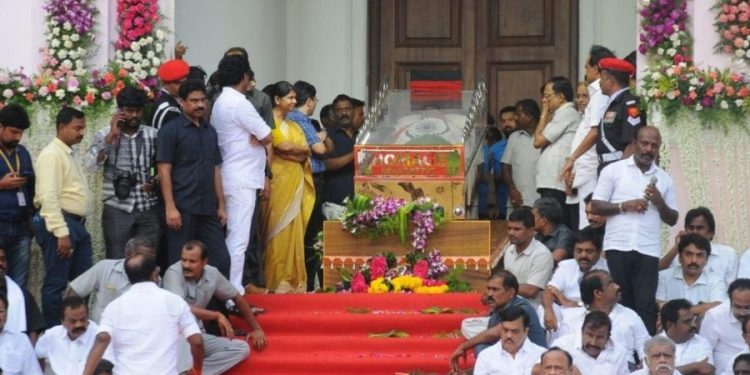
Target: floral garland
[[417, 272], [140, 44], [379, 217], [733, 26], [672, 82]]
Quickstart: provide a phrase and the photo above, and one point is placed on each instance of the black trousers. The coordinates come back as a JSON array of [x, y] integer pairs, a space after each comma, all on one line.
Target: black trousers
[[314, 225], [205, 228], [638, 276]]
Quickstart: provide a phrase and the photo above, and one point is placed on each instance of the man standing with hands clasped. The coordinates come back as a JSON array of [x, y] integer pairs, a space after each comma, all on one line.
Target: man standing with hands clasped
[[636, 196]]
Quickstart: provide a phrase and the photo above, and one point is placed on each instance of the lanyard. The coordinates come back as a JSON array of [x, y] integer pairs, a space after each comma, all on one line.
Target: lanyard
[[10, 166]]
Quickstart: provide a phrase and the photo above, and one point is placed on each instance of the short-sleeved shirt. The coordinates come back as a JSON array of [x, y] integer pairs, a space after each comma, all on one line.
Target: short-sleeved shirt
[[691, 351], [198, 292], [339, 183], [533, 266], [613, 360], [311, 136], [559, 132], [567, 277], [17, 356], [560, 238], [723, 332], [672, 285], [536, 332], [236, 121], [495, 360], [193, 151], [68, 356], [146, 325], [107, 280], [11, 209], [623, 181], [523, 157]]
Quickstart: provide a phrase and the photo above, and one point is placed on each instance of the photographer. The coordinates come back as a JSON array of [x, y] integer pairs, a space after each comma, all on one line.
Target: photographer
[[127, 152]]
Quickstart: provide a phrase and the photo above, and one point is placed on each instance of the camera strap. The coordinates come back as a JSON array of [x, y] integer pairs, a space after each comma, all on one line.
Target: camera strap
[[140, 145]]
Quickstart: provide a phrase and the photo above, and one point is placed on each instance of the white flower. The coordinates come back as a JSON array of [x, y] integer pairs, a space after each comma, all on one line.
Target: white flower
[[670, 95], [676, 43], [75, 37], [55, 43], [84, 103], [62, 53], [43, 91], [137, 56], [52, 52], [724, 104], [739, 103], [21, 89], [145, 63], [65, 37], [671, 52], [158, 47], [68, 44], [160, 35], [646, 3], [60, 93], [657, 75], [152, 72], [155, 62], [67, 64], [660, 51], [118, 55], [150, 40], [748, 54], [694, 81], [135, 46], [49, 36], [142, 74], [67, 25], [674, 37], [128, 55], [8, 93], [73, 54], [739, 52], [128, 65], [698, 107], [136, 67], [56, 31], [150, 55], [670, 71], [80, 72], [79, 64], [651, 92]]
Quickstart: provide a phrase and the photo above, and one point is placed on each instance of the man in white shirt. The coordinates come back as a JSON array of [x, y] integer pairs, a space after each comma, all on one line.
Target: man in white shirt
[[693, 353], [689, 280], [593, 350], [241, 133], [600, 293], [16, 353], [580, 167], [722, 325], [636, 196], [145, 326], [526, 257], [556, 361], [659, 360], [743, 270], [66, 346], [741, 364], [744, 355], [520, 157], [722, 262], [564, 289], [514, 354]]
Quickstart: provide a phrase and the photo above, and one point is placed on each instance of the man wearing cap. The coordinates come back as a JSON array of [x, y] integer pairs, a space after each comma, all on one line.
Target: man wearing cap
[[620, 121], [171, 73]]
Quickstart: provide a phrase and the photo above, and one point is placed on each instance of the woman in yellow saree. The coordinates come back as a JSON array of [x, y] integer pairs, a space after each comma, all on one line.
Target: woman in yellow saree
[[285, 214]]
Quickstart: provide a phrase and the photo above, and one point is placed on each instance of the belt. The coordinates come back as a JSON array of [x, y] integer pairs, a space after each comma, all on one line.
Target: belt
[[610, 157], [78, 218]]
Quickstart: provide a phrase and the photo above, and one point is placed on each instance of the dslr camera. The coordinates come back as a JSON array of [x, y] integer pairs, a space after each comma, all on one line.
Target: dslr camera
[[123, 183]]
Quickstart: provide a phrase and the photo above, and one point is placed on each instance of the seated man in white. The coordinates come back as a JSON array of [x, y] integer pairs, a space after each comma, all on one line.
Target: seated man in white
[[600, 293], [690, 280], [514, 354], [593, 350], [66, 346], [526, 257], [693, 354], [555, 361], [744, 268], [564, 289], [745, 353], [723, 259], [659, 358], [741, 364], [16, 353], [722, 325]]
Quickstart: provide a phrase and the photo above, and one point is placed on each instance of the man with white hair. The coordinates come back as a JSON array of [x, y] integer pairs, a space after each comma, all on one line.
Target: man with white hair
[[660, 354]]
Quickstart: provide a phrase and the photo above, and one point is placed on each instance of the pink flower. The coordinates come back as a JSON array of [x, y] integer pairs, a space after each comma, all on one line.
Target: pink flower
[[106, 95], [378, 266], [421, 268], [734, 29], [723, 18], [738, 42], [728, 35], [743, 18], [358, 283]]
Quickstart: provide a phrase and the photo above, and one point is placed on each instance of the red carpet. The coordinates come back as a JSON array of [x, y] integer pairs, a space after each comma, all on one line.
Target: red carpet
[[328, 333]]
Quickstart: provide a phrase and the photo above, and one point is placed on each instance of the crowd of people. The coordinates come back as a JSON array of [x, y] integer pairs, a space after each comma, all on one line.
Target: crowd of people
[[582, 285], [222, 191]]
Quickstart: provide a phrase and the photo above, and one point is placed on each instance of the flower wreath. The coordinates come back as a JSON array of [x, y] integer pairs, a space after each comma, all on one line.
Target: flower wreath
[[733, 26]]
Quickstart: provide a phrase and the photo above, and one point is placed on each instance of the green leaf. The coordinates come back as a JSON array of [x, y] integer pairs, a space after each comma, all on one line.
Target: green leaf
[[394, 333], [437, 310]]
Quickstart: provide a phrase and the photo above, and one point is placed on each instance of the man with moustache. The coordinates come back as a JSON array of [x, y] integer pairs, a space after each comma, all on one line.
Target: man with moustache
[[66, 346], [556, 361], [126, 152], [197, 283], [688, 280], [64, 201], [636, 196], [693, 353], [519, 162], [339, 171], [514, 354], [596, 222], [16, 192], [659, 360], [722, 325], [563, 290], [501, 294], [507, 121], [593, 350], [18, 354], [189, 163]]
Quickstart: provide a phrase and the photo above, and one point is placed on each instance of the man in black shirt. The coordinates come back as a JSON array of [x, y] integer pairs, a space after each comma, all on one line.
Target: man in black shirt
[[339, 173], [171, 73]]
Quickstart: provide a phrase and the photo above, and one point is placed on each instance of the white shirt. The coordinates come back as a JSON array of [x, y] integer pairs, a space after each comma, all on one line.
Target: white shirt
[[628, 329], [672, 285], [691, 351], [15, 320], [586, 165], [731, 371], [722, 263], [66, 356], [646, 371], [522, 156], [567, 277], [146, 324], [743, 270], [623, 181], [613, 360], [236, 120], [496, 361], [559, 132], [533, 266], [724, 333], [16, 355]]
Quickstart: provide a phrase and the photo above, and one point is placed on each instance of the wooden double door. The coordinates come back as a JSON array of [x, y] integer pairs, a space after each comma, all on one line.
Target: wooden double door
[[515, 45]]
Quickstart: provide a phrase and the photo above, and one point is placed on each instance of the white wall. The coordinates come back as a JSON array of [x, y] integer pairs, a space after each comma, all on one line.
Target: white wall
[[21, 34], [610, 23]]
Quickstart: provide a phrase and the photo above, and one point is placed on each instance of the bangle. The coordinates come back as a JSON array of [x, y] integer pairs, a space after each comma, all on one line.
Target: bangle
[[620, 207]]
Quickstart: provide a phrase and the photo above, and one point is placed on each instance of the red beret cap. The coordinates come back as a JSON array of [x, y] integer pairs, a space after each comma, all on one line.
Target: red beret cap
[[173, 70], [611, 63]]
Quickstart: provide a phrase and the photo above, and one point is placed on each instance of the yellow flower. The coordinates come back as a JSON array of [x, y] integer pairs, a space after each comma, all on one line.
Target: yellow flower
[[439, 289], [406, 282], [378, 286]]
